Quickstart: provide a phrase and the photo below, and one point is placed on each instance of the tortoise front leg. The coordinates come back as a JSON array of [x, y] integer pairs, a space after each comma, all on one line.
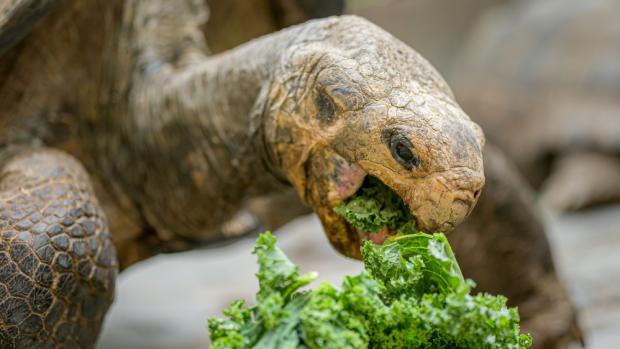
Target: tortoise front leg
[[503, 247], [57, 262]]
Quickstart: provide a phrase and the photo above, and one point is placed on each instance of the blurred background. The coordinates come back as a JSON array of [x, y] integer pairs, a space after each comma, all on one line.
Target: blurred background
[[541, 77]]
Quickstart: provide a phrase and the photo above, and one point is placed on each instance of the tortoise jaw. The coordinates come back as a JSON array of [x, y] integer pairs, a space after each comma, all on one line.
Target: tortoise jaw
[[346, 238], [343, 237]]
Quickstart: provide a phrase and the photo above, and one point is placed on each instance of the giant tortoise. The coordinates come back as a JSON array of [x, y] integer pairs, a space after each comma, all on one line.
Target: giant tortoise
[[122, 138]]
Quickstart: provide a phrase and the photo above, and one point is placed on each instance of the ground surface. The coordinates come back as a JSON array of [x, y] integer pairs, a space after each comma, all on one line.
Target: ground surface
[[164, 302]]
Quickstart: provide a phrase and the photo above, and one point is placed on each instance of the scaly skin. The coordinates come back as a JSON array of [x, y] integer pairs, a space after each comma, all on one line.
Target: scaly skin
[[176, 140], [57, 263]]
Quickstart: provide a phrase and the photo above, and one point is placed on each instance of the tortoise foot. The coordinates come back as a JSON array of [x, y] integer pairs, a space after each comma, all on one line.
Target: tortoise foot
[[57, 263]]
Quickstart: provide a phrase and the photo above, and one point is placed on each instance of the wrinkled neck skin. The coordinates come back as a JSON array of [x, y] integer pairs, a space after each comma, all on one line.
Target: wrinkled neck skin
[[194, 125]]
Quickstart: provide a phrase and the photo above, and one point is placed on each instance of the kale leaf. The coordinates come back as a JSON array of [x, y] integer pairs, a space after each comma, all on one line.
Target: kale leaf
[[376, 206], [412, 295]]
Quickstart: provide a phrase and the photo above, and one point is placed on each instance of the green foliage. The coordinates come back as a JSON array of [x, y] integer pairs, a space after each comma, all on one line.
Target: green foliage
[[376, 206], [414, 265], [413, 295]]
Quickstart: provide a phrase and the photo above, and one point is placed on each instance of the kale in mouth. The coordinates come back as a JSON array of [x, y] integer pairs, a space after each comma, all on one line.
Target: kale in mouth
[[376, 207]]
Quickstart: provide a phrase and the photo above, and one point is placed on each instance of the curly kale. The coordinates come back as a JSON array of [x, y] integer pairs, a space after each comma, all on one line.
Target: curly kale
[[412, 295], [376, 206]]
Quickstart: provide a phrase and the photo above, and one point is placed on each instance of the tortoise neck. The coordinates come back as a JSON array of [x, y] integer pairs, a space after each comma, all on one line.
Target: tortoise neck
[[194, 130]]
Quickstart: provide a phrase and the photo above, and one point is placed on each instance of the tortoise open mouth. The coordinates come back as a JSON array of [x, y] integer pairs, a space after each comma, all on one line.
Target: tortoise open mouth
[[331, 185], [373, 212]]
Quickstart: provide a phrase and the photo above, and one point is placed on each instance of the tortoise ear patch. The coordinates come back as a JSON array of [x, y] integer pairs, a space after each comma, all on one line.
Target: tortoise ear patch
[[325, 106]]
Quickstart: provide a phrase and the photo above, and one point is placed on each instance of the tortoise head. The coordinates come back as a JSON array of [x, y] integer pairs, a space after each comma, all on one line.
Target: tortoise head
[[357, 102]]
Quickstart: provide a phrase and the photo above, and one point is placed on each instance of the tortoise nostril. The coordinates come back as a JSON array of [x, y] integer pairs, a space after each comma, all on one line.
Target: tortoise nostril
[[476, 194]]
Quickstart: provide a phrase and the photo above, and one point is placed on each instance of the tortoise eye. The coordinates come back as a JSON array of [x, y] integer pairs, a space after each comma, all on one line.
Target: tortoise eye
[[402, 151], [325, 106]]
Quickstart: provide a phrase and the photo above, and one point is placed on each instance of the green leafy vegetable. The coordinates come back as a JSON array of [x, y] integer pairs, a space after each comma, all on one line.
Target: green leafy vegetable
[[413, 295], [374, 207], [415, 265]]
